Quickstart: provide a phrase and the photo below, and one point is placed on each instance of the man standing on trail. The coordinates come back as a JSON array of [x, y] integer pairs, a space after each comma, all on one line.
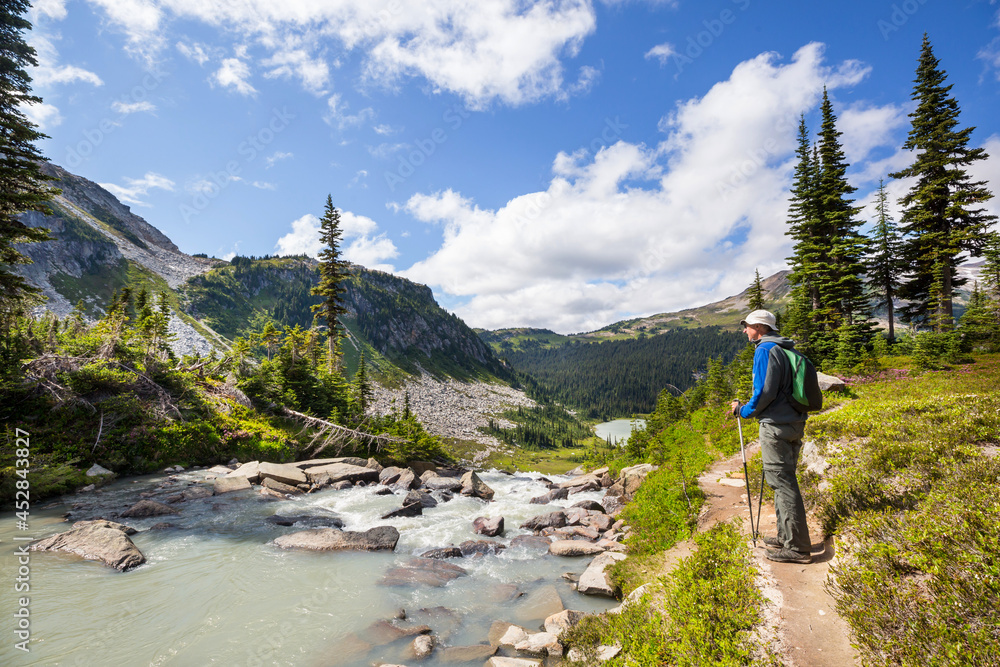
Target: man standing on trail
[[781, 430]]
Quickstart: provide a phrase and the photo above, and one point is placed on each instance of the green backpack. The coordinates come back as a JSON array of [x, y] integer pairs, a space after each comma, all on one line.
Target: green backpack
[[806, 394]]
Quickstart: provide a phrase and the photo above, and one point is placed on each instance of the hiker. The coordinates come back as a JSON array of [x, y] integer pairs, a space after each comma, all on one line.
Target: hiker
[[781, 430]]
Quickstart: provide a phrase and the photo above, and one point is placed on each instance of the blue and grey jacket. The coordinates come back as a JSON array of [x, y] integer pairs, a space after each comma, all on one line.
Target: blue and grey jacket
[[772, 383]]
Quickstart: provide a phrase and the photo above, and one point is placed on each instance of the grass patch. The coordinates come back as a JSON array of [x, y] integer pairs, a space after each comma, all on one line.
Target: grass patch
[[711, 605]]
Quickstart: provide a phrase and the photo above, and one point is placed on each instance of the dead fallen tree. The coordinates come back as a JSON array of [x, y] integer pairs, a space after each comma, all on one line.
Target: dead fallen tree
[[334, 435]]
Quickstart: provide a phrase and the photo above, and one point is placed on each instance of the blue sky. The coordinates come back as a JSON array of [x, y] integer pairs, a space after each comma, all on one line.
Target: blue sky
[[561, 164]]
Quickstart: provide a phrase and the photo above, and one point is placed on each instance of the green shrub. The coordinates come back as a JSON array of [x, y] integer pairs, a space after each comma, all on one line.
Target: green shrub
[[665, 508], [99, 377]]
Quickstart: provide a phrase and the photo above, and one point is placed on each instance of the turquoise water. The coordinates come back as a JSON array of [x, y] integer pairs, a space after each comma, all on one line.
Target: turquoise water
[[215, 591]]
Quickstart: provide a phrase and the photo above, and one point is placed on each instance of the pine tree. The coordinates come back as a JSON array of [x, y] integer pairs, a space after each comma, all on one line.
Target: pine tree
[[884, 264], [23, 183], [804, 226], [940, 221], [362, 386], [333, 273], [842, 289], [990, 274], [980, 327], [755, 295]]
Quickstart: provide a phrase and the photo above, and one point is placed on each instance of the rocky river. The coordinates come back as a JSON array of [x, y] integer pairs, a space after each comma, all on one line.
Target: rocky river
[[325, 563]]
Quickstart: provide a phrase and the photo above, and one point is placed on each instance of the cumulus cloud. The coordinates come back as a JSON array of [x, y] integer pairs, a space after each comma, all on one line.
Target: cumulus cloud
[[866, 127], [459, 46], [234, 74], [337, 113], [639, 229], [362, 246], [138, 187], [44, 115], [276, 157]]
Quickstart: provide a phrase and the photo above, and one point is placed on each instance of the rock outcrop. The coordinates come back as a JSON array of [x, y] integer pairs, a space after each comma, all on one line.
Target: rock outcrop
[[381, 538], [101, 540]]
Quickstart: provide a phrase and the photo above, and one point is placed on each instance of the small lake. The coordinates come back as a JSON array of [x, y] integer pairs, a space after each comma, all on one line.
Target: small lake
[[618, 430], [216, 591]]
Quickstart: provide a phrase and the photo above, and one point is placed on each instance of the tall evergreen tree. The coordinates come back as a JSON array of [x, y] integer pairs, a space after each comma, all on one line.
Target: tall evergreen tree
[[991, 268], [940, 215], [22, 184], [755, 297], [333, 273], [362, 386], [884, 264], [804, 222]]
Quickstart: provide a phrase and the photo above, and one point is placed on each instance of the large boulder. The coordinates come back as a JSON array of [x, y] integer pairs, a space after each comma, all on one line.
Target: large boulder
[[422, 497], [571, 548], [306, 520], [555, 519], [411, 509], [101, 540], [98, 470], [591, 505], [439, 483], [554, 494], [250, 471], [230, 483], [381, 633], [490, 527], [283, 472], [540, 644], [281, 487], [830, 382], [147, 508], [595, 580], [475, 487], [631, 478], [465, 654], [442, 552], [478, 548], [564, 620], [315, 463], [406, 481], [341, 472], [389, 475], [380, 538]]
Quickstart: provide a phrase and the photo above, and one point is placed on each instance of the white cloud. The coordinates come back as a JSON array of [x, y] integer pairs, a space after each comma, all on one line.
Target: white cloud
[[276, 157], [364, 248], [138, 187], [385, 149], [198, 53], [233, 74], [44, 115], [506, 50], [661, 52], [264, 185], [53, 9], [133, 107], [385, 130], [866, 127], [639, 229]]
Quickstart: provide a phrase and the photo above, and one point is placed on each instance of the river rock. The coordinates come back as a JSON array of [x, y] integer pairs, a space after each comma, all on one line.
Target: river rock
[[307, 520], [315, 463], [374, 465], [465, 654], [407, 480], [281, 487], [575, 516], [475, 487], [147, 508], [97, 470], [282, 472], [511, 635], [425, 571], [554, 494], [422, 647], [501, 661], [439, 483], [442, 552], [341, 472], [540, 644], [490, 527], [380, 538], [574, 532], [630, 599], [631, 478], [612, 545], [381, 633], [425, 499], [421, 467], [613, 505], [101, 540], [571, 548], [230, 483], [590, 505], [389, 475], [599, 521], [555, 519], [592, 485], [339, 486], [595, 581], [478, 548], [532, 542], [219, 470], [413, 509], [556, 624], [250, 471]]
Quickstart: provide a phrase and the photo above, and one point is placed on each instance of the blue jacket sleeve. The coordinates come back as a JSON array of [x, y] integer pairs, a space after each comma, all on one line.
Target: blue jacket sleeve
[[760, 359]]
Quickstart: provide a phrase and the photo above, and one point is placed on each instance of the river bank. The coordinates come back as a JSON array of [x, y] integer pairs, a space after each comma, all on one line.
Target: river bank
[[216, 587]]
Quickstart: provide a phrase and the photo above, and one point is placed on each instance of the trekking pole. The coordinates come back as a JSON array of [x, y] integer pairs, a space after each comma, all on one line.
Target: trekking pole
[[746, 478]]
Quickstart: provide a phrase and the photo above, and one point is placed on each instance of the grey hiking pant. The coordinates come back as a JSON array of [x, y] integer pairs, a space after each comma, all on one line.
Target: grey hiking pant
[[779, 447]]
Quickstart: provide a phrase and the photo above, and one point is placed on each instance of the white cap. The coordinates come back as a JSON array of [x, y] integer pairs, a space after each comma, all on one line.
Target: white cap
[[761, 317]]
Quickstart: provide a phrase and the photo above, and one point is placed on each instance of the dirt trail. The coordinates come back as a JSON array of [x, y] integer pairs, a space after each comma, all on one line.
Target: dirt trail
[[811, 632]]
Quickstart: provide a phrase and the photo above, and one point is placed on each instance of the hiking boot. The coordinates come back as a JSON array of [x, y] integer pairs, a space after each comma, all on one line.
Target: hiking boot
[[788, 556], [773, 542]]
